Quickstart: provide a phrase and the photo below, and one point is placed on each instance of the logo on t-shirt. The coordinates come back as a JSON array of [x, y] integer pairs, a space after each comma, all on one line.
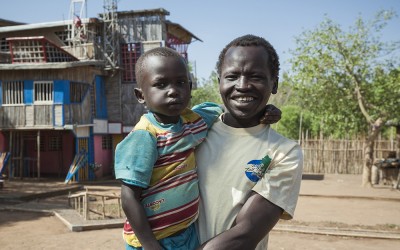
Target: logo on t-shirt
[[155, 205], [255, 169]]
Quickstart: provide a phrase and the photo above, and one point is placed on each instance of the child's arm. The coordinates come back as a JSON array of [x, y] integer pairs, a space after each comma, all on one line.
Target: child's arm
[[271, 115], [134, 211], [209, 112]]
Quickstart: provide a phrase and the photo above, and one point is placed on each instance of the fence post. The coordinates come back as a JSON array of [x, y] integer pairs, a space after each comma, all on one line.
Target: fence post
[[86, 206], [104, 209], [119, 207]]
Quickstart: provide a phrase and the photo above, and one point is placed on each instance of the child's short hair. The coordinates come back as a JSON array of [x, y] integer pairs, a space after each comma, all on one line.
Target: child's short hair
[[159, 51], [251, 40]]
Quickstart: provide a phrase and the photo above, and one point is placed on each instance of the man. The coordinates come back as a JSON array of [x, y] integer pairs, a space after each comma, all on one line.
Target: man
[[249, 175]]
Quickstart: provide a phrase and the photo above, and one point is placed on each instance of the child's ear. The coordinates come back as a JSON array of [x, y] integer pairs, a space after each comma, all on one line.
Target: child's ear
[[190, 85], [139, 95]]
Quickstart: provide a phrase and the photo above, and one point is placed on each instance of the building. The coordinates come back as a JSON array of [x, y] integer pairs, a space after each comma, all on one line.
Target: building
[[66, 88]]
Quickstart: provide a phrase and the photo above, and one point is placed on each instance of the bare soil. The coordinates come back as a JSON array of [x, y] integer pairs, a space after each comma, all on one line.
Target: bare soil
[[31, 230]]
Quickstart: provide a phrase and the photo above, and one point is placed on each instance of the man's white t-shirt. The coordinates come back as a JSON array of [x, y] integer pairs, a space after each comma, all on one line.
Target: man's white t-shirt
[[230, 165]]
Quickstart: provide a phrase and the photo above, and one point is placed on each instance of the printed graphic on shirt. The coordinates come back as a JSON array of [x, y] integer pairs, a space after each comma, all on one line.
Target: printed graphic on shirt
[[155, 205], [255, 169]]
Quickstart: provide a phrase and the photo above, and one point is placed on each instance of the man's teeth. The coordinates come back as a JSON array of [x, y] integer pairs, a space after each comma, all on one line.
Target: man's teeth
[[244, 99]]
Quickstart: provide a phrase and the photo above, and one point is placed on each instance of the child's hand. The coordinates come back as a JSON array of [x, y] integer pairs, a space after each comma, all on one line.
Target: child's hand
[[271, 115]]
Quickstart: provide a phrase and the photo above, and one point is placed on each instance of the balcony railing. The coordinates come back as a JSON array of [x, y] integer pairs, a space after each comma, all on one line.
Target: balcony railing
[[37, 49]]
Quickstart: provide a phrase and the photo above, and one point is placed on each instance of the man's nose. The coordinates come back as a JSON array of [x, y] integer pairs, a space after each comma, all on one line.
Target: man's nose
[[242, 83]]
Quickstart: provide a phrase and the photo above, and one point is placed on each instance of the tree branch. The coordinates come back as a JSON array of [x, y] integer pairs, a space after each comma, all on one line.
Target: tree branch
[[357, 82]]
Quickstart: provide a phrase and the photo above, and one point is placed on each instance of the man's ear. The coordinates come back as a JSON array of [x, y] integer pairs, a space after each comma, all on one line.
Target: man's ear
[[275, 88], [139, 95]]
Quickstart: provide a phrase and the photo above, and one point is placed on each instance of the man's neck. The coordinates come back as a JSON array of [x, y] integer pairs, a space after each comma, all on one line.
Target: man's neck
[[237, 123]]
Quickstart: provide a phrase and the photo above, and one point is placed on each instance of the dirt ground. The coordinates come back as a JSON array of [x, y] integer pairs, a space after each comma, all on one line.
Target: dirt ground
[[27, 230], [31, 230]]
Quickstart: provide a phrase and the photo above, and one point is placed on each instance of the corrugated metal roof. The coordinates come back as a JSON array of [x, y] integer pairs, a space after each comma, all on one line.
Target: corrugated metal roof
[[147, 12], [5, 22], [180, 32], [33, 26]]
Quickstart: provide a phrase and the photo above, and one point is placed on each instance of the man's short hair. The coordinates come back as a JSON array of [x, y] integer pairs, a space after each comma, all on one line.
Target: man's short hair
[[251, 40]]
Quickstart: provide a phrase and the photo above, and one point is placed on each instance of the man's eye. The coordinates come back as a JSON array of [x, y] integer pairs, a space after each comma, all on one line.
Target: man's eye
[[231, 77], [257, 77]]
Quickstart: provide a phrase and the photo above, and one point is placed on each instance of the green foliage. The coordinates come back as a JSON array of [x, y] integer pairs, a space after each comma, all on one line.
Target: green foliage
[[293, 119], [346, 79], [285, 95], [208, 91]]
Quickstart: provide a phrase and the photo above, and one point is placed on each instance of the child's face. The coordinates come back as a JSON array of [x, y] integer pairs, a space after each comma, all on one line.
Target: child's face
[[165, 87], [246, 85]]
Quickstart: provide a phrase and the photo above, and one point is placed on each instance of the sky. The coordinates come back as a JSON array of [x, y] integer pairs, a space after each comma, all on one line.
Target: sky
[[217, 22]]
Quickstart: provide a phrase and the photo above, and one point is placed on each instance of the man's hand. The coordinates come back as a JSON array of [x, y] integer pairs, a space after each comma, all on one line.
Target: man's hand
[[271, 115], [254, 221]]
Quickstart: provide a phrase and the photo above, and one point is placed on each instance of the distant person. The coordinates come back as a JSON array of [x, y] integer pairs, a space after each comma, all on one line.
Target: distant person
[[249, 175], [156, 163]]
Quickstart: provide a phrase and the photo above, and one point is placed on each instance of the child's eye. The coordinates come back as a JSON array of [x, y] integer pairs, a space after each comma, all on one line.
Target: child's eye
[[160, 85]]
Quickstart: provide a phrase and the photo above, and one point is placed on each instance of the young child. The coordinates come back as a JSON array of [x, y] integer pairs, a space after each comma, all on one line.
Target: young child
[[156, 160], [156, 163]]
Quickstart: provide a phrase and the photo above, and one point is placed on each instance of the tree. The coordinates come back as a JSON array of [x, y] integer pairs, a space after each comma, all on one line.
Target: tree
[[293, 121], [208, 91], [349, 79]]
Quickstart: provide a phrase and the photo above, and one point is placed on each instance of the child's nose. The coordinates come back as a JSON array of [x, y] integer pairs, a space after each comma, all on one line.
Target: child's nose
[[173, 91]]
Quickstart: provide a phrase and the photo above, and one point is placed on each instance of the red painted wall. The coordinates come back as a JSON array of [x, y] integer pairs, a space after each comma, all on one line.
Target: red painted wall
[[103, 157], [3, 142], [53, 163], [68, 150]]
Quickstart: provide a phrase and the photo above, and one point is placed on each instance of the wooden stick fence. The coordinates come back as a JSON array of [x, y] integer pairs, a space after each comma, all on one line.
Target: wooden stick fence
[[340, 156], [87, 203]]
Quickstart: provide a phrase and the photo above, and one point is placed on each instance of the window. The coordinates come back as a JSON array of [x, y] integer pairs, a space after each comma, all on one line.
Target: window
[[43, 92], [4, 46], [77, 91], [63, 36], [54, 143], [130, 53], [177, 44], [42, 144], [106, 142], [13, 92]]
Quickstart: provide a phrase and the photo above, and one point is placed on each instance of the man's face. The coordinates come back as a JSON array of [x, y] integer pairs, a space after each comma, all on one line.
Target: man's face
[[245, 85], [165, 88]]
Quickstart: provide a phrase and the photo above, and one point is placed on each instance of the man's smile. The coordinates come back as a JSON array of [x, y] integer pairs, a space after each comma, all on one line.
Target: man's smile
[[243, 99]]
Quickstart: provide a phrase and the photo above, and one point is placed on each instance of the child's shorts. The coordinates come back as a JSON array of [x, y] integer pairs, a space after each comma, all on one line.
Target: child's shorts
[[187, 240]]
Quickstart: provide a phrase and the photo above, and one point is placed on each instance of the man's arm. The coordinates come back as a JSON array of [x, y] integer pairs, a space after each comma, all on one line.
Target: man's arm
[[134, 211], [256, 218]]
